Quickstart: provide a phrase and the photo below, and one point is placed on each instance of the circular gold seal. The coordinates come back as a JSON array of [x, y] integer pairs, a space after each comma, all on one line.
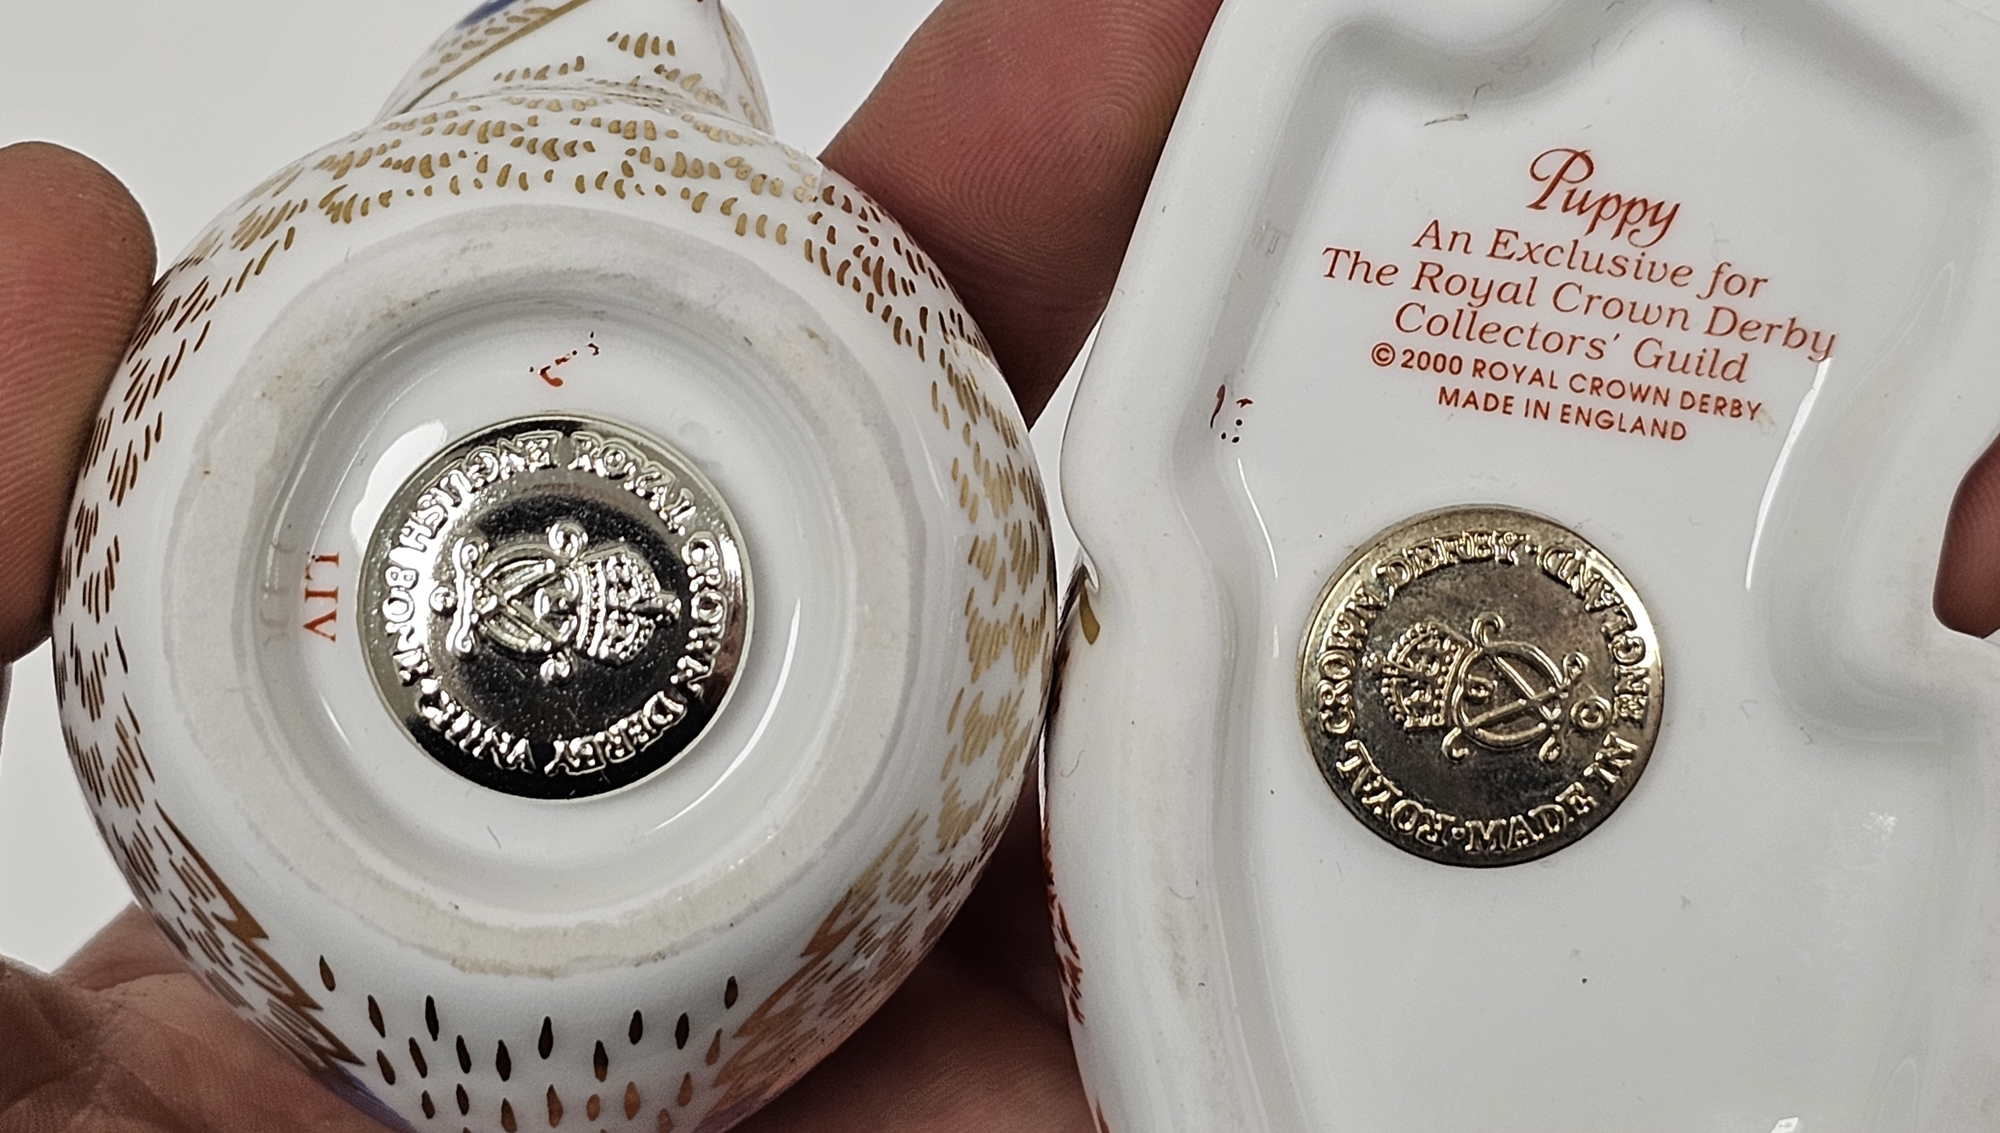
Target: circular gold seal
[[556, 606], [1480, 686]]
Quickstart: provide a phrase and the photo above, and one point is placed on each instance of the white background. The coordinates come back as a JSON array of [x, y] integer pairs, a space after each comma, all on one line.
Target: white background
[[193, 103]]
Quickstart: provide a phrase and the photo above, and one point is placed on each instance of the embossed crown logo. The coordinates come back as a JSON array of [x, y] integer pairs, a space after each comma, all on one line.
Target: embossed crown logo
[[555, 599], [1502, 695]]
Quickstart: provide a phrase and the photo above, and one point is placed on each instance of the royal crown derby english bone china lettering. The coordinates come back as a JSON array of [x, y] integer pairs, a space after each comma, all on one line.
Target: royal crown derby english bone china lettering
[[1500, 400], [555, 607], [558, 603], [1480, 686]]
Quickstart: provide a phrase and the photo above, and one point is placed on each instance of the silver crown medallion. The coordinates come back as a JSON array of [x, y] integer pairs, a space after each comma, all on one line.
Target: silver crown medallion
[[557, 606]]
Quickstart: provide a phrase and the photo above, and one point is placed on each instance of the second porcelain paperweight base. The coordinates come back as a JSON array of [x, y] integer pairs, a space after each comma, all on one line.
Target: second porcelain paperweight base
[[1505, 692]]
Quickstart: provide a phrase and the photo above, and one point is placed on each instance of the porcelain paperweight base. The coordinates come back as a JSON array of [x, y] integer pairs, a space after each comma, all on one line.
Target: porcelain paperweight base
[[1504, 692], [558, 605]]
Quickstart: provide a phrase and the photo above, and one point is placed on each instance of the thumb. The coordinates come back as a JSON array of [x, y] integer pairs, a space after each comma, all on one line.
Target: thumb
[[76, 263]]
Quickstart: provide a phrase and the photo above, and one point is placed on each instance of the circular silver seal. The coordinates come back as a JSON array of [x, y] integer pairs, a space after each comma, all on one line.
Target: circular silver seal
[[555, 607], [1480, 686]]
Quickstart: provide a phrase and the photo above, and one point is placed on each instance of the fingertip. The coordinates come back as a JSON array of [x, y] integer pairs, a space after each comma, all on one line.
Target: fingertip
[[76, 266], [130, 947], [1967, 598], [50, 193], [1015, 139]]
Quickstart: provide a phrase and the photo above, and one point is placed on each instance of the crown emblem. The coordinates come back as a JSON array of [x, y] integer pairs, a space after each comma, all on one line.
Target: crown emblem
[[1501, 695], [555, 599]]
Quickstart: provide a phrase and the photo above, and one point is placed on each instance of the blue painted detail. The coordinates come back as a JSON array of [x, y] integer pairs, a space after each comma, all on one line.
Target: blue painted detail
[[483, 11], [351, 1090]]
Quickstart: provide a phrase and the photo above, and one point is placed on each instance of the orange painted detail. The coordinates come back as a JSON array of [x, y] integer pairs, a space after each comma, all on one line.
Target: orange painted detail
[[322, 596]]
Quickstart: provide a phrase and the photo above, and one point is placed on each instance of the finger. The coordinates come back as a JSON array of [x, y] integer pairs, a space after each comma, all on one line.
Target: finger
[[1015, 139], [1968, 583], [129, 948], [949, 1053], [76, 262], [126, 1037]]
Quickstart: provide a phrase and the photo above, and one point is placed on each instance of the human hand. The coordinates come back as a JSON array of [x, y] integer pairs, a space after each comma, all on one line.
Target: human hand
[[1015, 139]]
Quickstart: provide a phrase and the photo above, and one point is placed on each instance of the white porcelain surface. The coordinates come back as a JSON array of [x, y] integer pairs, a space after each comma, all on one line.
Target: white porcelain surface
[[103, 95], [662, 957], [1788, 925]]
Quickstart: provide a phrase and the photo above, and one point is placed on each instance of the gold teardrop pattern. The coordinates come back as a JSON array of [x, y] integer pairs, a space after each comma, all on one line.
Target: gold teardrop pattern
[[662, 1066]]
